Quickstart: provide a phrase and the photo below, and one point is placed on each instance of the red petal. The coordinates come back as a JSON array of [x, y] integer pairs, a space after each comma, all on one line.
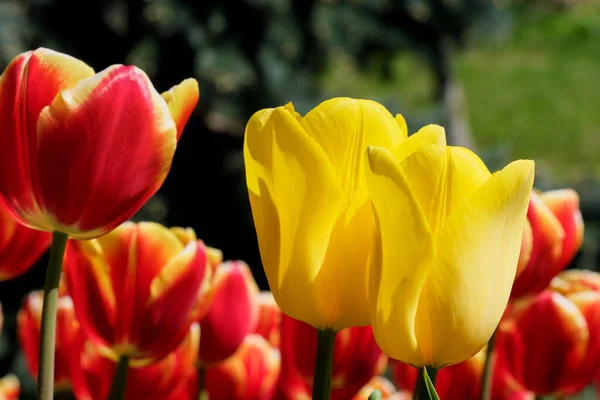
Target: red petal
[[105, 147], [29, 83]]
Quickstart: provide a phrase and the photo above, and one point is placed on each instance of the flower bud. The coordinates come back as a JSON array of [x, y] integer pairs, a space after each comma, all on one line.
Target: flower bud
[[67, 328], [250, 374], [10, 388], [232, 314]]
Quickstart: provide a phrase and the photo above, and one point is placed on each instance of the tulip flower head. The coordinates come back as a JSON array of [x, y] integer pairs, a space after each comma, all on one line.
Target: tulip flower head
[[20, 246], [10, 388], [556, 232], [447, 241], [67, 329], [137, 290], [250, 374], [305, 178], [269, 318], [82, 152]]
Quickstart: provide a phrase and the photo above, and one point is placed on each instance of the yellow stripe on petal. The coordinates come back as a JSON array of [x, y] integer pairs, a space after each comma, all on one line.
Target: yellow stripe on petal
[[169, 273], [401, 258], [182, 100], [477, 255], [430, 134], [441, 177]]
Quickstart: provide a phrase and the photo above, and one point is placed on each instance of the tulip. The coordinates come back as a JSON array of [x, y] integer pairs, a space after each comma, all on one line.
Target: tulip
[[583, 289], [315, 240], [543, 342], [269, 318], [91, 372], [440, 277], [136, 290], [67, 329], [232, 314], [575, 281], [250, 374], [82, 152], [557, 231], [356, 357], [380, 383], [20, 246], [526, 248], [10, 389]]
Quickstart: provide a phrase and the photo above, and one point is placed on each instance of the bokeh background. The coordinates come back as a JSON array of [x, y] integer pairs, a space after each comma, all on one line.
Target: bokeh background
[[510, 79]]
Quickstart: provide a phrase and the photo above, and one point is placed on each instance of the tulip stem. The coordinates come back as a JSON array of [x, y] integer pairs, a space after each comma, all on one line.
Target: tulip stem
[[119, 381], [45, 382], [488, 370], [323, 364], [421, 391]]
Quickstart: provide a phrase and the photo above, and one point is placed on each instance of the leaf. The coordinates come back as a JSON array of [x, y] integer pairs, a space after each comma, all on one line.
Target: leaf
[[430, 386]]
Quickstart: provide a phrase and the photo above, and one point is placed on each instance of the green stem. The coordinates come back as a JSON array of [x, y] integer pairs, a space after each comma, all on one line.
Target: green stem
[[421, 392], [119, 382], [488, 370], [45, 382], [323, 364]]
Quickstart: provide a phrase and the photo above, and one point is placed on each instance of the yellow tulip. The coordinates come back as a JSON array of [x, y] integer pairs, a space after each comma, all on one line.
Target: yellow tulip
[[447, 239], [309, 199]]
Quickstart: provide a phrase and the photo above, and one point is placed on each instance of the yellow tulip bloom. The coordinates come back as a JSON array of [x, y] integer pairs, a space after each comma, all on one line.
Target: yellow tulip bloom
[[447, 240], [306, 182]]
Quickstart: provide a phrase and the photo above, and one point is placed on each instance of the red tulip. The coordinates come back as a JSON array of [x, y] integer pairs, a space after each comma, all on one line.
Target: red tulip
[[20, 246], [232, 314], [67, 329], [250, 374], [356, 359], [92, 372], [557, 232], [82, 152], [575, 281], [137, 290], [10, 389], [269, 318], [543, 343]]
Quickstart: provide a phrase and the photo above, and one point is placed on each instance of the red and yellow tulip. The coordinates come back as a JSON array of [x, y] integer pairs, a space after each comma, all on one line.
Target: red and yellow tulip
[[137, 290], [81, 152]]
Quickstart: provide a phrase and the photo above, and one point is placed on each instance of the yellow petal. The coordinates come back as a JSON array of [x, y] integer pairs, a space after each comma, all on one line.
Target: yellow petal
[[402, 124], [401, 259], [477, 254], [295, 199], [430, 134], [441, 177], [182, 99], [344, 127]]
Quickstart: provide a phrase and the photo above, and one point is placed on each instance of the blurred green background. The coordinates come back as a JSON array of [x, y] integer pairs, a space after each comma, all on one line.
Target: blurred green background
[[510, 79]]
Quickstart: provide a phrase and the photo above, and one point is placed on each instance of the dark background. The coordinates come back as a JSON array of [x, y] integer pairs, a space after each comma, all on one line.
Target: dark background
[[248, 55]]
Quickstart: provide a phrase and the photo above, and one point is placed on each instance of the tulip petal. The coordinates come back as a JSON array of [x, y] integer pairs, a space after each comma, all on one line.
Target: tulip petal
[[344, 126], [477, 254], [120, 140], [29, 83], [176, 287], [430, 134], [441, 177], [182, 100], [564, 204], [293, 235], [402, 124], [401, 257]]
